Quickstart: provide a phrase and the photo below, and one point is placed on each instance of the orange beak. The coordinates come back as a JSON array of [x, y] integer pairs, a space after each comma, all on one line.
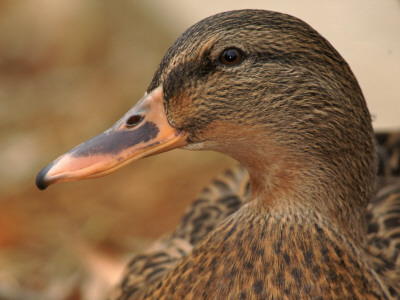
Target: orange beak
[[143, 131]]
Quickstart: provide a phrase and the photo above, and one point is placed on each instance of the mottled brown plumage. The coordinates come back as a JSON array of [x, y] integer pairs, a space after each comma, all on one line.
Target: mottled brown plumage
[[218, 200], [230, 190], [293, 114]]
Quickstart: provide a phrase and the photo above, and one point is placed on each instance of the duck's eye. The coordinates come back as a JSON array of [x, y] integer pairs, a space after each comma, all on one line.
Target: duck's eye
[[231, 57]]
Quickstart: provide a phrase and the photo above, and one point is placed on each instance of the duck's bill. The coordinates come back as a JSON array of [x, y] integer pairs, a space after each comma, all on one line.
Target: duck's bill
[[143, 131]]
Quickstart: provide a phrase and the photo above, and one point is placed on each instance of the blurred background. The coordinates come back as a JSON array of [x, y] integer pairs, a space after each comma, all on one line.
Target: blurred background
[[69, 70]]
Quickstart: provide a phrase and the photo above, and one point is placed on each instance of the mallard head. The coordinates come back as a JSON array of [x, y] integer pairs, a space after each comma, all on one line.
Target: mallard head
[[262, 87]]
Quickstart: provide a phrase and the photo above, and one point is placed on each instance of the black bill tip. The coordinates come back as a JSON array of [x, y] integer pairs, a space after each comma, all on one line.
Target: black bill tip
[[41, 180]]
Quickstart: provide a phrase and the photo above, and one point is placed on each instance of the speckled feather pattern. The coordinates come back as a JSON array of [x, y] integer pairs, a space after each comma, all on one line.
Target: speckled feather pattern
[[222, 197], [231, 189], [243, 255]]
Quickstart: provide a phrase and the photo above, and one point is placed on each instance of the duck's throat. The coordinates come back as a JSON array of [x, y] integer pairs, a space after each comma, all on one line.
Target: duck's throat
[[285, 187], [290, 172]]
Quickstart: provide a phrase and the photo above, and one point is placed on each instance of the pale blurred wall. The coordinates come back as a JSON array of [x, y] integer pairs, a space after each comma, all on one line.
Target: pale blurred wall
[[366, 33]]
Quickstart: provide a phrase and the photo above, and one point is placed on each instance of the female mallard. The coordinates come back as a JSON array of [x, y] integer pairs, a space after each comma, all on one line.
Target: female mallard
[[268, 90]]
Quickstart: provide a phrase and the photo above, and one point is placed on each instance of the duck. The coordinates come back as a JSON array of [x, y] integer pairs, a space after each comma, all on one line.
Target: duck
[[268, 90]]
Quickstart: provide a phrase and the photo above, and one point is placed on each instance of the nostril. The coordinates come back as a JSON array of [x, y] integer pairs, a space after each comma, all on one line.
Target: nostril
[[134, 120]]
